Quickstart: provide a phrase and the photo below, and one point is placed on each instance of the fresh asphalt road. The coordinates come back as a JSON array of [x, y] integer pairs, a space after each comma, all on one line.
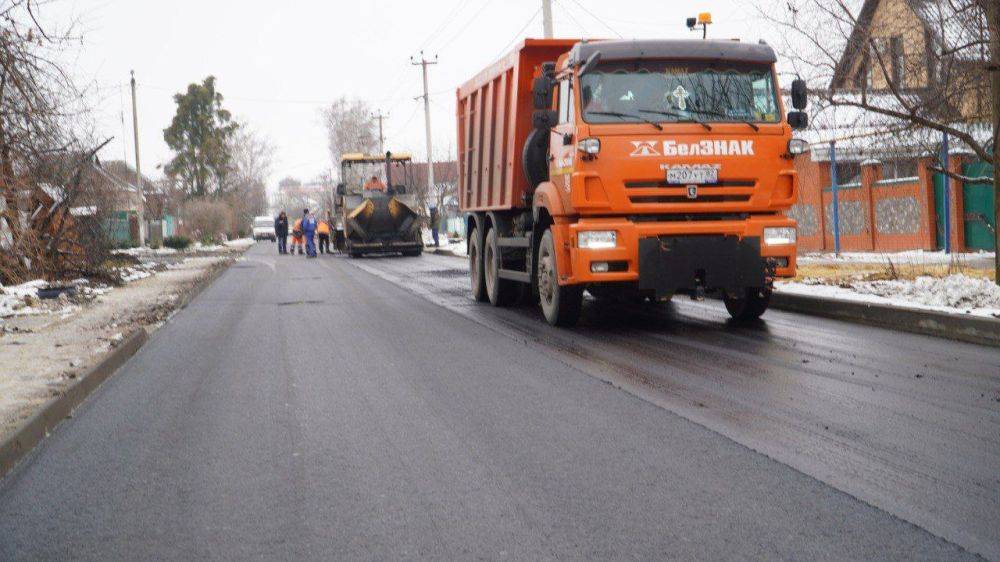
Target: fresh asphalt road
[[367, 409]]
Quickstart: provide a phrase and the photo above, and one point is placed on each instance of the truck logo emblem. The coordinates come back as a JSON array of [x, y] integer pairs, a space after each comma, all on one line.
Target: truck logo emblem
[[644, 148], [681, 95], [692, 192]]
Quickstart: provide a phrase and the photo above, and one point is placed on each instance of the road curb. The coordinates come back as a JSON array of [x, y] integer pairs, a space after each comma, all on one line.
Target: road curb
[[967, 328], [38, 426], [41, 423]]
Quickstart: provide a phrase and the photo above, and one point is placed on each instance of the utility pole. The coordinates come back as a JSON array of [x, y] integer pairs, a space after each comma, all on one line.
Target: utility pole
[[547, 18], [427, 117], [381, 139], [138, 173]]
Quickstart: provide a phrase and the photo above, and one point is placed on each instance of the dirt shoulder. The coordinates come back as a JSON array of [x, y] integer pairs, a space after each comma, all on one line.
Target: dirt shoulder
[[40, 355]]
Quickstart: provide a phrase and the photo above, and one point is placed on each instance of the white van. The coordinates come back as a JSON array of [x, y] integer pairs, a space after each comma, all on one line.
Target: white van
[[263, 228]]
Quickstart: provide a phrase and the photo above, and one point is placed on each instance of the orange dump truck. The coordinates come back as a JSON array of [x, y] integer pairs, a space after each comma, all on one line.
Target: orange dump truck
[[631, 169]]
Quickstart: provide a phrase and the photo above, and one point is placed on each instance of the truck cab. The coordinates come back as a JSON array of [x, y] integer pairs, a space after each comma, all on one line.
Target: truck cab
[[655, 167]]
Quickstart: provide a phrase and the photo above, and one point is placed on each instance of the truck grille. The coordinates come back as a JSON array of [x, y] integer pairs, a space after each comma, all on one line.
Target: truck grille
[[660, 192]]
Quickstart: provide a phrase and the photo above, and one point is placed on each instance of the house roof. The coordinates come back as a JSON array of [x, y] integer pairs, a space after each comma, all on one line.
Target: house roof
[[949, 29], [861, 134]]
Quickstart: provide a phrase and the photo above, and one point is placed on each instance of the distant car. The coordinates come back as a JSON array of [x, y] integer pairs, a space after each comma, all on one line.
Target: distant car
[[263, 229]]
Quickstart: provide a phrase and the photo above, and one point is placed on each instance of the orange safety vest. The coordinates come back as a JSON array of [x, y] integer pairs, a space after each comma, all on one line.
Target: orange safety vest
[[323, 227]]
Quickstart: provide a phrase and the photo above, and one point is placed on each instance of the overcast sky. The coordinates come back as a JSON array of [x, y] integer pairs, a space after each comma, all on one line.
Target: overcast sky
[[278, 62]]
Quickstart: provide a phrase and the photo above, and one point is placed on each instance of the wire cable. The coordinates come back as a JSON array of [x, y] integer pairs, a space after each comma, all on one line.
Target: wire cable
[[517, 35], [466, 26], [448, 19], [600, 20]]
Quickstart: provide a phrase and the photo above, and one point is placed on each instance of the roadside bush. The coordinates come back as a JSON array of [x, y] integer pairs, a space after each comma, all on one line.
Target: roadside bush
[[208, 218], [177, 242]]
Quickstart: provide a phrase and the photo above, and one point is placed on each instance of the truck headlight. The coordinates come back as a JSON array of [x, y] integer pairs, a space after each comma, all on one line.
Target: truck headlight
[[779, 235], [797, 146], [589, 146], [597, 239]]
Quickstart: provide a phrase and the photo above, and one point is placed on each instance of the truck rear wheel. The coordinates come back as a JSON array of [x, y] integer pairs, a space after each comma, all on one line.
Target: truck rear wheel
[[748, 306], [561, 304], [501, 292], [476, 267]]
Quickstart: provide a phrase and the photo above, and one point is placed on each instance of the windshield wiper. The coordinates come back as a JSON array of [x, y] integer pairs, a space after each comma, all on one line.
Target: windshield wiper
[[625, 115], [717, 114], [681, 118]]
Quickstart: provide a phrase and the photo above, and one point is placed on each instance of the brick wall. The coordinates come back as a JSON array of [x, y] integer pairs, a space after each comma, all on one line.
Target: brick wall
[[876, 214]]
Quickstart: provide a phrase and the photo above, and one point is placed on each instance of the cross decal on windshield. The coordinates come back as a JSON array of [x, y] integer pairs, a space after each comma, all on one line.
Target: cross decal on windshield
[[681, 95]]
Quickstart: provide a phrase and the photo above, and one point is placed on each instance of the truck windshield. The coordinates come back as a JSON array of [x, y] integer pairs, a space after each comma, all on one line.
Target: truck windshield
[[673, 91]]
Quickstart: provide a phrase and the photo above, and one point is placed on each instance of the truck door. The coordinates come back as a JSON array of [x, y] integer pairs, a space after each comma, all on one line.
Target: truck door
[[562, 149]]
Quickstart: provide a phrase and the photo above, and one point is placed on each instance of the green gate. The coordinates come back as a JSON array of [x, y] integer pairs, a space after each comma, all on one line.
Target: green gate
[[980, 219]]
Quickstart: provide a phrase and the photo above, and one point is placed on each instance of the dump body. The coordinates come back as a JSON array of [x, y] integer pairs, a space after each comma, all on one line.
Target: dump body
[[494, 117]]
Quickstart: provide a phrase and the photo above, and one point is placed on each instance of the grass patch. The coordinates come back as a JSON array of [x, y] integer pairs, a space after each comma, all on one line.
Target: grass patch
[[848, 272]]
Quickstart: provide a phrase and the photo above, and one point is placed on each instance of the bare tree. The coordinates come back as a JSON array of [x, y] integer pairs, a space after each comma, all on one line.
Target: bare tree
[[350, 128], [41, 113], [899, 82], [251, 161]]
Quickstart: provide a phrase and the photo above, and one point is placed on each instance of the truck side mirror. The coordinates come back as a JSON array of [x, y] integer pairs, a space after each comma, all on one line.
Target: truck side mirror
[[799, 94], [798, 120], [541, 90], [544, 119]]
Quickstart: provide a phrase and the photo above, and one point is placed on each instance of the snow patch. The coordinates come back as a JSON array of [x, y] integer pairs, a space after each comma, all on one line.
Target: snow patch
[[956, 294]]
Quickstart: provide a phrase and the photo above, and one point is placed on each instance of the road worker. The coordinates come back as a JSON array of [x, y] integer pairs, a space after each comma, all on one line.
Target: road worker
[[323, 233], [309, 231], [298, 241], [374, 184], [281, 232]]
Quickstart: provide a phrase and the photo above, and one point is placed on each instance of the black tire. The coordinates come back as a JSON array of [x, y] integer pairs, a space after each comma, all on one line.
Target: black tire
[[412, 253], [501, 292], [476, 268], [561, 304], [750, 306]]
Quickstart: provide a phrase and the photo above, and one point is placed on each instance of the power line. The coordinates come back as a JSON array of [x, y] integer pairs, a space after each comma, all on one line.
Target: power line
[[286, 101], [448, 19], [572, 17], [518, 34], [465, 27], [601, 20]]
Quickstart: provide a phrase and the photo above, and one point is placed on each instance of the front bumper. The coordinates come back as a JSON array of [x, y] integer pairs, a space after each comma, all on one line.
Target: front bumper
[[730, 252]]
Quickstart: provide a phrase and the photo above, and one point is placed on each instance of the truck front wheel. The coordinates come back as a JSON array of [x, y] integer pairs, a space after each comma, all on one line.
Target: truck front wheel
[[561, 304], [476, 267], [748, 305]]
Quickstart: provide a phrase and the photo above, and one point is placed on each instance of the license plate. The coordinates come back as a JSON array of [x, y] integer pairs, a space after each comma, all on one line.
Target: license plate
[[687, 175]]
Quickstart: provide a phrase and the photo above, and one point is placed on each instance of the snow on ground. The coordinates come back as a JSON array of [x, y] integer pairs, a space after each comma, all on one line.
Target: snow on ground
[[915, 257], [144, 252], [23, 300], [956, 294], [240, 243], [455, 246]]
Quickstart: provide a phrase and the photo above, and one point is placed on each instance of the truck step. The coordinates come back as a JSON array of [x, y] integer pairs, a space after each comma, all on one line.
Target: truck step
[[513, 242], [514, 275]]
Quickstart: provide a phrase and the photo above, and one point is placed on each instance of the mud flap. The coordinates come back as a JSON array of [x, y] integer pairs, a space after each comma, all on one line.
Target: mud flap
[[679, 263]]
